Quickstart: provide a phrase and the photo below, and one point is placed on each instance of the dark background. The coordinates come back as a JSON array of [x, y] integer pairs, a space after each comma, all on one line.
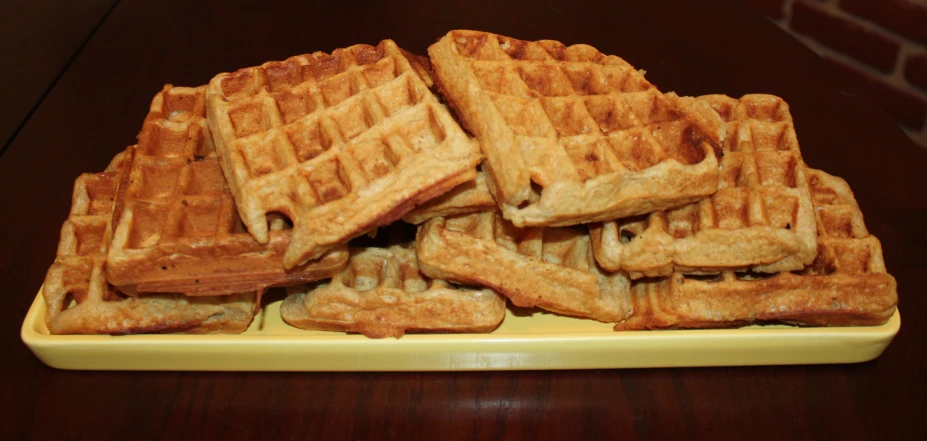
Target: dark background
[[77, 81]]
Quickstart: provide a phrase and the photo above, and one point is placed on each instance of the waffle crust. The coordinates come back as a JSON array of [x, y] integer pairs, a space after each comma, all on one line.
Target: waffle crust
[[845, 285], [339, 143], [176, 226], [550, 268], [571, 135], [383, 294], [470, 197], [760, 219], [79, 300]]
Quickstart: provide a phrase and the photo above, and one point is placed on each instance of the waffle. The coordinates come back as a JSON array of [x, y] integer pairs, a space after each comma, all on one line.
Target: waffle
[[470, 197], [571, 135], [551, 268], [383, 294], [760, 219], [845, 285], [338, 143], [78, 299], [177, 229]]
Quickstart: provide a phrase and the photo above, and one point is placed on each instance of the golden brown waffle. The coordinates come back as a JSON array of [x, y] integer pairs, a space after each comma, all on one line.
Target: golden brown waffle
[[338, 143], [470, 197], [383, 294], [760, 219], [845, 285], [177, 229], [571, 135], [551, 268], [78, 299]]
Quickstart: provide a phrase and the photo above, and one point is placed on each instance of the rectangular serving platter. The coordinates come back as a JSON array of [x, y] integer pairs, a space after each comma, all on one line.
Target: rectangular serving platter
[[527, 340]]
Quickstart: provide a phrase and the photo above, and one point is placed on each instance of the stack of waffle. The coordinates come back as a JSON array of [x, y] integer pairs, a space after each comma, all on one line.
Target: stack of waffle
[[580, 189]]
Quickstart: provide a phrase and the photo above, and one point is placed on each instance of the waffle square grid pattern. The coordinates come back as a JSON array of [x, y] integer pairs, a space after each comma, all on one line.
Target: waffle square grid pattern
[[382, 294], [846, 285], [760, 219], [571, 135], [699, 212], [177, 228], [79, 300], [338, 143], [548, 267]]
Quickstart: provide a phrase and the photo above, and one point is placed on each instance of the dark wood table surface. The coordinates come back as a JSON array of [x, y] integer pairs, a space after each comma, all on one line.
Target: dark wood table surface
[[83, 87]]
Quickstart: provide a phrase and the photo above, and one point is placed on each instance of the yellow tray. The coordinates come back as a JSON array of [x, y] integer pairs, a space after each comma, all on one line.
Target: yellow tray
[[527, 339]]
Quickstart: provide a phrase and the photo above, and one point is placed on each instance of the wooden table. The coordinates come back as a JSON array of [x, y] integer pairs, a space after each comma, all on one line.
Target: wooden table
[[95, 109]]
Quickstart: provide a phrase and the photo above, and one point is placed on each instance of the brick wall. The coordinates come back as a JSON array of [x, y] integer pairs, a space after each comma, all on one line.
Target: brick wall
[[880, 43]]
